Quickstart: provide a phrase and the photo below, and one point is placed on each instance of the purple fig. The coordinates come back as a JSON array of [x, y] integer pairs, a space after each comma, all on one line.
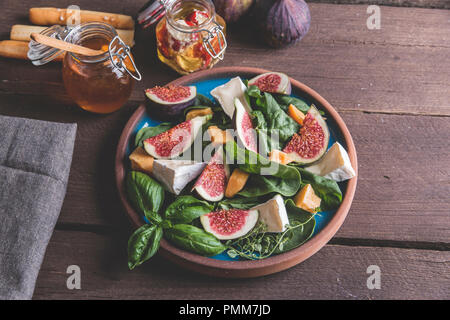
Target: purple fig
[[283, 22], [232, 10]]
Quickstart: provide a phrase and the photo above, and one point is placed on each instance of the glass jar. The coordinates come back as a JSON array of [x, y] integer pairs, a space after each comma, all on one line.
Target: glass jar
[[102, 83], [190, 36]]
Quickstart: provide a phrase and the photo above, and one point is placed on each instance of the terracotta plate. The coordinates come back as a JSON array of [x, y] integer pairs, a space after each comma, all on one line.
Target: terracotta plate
[[329, 222]]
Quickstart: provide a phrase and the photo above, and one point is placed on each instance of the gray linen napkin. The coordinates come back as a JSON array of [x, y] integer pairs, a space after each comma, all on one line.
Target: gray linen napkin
[[35, 158]]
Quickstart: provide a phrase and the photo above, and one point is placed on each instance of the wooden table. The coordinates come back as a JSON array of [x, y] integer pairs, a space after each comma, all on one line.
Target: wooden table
[[391, 86]]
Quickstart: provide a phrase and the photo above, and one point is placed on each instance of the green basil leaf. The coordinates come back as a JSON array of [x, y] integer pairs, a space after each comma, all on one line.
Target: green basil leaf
[[146, 195], [194, 239], [326, 189], [143, 244], [148, 132], [187, 208]]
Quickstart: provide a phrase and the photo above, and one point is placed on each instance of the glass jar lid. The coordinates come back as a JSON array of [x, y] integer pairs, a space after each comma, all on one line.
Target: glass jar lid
[[118, 51]]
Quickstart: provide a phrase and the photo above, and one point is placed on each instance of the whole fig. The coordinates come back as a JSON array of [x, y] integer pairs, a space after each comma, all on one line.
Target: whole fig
[[283, 22], [232, 10]]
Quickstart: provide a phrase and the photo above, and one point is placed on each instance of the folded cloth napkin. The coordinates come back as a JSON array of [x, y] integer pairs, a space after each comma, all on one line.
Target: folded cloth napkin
[[35, 158]]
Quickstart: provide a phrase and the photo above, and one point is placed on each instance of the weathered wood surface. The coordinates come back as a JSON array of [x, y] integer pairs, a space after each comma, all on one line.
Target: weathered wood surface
[[352, 66], [335, 272], [391, 86]]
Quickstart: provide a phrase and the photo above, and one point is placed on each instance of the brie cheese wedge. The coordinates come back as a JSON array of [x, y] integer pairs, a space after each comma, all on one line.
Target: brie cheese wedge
[[273, 213], [226, 94], [176, 174], [334, 165]]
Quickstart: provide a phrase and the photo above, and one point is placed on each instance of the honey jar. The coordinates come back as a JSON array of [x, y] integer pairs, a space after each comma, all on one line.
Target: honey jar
[[190, 36], [99, 84]]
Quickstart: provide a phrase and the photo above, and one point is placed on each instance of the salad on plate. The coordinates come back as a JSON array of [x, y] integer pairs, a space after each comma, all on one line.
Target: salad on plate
[[241, 176]]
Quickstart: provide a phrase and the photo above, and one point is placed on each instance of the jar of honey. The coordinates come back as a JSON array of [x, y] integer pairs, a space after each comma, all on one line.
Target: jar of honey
[[101, 83], [190, 36]]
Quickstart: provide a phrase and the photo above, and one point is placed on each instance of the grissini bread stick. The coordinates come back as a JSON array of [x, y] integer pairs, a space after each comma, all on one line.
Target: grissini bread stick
[[22, 33], [17, 49], [51, 16]]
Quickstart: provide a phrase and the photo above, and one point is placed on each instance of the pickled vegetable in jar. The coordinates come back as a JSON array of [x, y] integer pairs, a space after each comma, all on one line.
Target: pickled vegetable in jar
[[190, 36], [101, 83]]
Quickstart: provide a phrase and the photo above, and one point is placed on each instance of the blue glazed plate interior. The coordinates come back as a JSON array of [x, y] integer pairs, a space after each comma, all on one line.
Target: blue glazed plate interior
[[204, 87]]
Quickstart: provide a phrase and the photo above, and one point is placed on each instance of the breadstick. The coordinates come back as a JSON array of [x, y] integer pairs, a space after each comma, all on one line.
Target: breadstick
[[22, 33], [51, 16], [17, 49]]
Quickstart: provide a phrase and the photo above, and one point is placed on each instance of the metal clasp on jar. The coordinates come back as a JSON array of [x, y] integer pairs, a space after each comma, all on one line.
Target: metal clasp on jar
[[215, 31], [121, 54]]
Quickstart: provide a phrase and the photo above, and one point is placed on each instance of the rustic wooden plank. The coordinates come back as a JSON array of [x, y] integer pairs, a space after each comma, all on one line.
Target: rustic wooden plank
[[335, 272], [402, 190], [437, 4], [403, 183], [355, 68]]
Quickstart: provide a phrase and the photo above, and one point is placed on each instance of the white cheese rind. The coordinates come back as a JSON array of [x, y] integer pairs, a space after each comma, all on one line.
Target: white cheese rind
[[226, 93], [174, 175], [334, 165], [273, 213]]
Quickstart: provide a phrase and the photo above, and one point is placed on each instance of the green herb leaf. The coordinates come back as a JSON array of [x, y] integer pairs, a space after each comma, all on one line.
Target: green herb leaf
[[267, 176], [194, 239], [302, 224], [143, 244], [239, 203], [146, 195], [187, 208], [285, 100], [148, 132], [326, 189]]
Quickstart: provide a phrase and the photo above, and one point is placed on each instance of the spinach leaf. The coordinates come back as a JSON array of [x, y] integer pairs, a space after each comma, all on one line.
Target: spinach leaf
[[302, 224], [326, 189], [146, 195], [267, 176], [239, 203], [148, 132], [187, 208], [285, 100], [194, 239], [143, 244], [201, 100], [278, 122], [261, 185], [280, 126]]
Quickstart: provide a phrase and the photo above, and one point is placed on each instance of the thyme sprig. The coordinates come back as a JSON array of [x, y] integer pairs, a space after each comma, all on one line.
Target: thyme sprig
[[259, 244]]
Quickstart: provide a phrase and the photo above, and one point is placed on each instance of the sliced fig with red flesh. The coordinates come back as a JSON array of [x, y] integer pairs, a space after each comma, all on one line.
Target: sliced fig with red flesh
[[229, 224], [171, 100], [273, 82], [245, 132], [173, 142], [212, 182], [311, 142]]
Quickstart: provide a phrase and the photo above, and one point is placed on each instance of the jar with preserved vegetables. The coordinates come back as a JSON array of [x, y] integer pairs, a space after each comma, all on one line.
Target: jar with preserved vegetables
[[190, 36]]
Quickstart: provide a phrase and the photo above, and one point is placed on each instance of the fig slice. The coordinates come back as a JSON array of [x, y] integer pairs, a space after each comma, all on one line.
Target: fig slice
[[245, 132], [273, 82], [311, 143], [173, 142], [229, 224], [170, 100], [213, 180]]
